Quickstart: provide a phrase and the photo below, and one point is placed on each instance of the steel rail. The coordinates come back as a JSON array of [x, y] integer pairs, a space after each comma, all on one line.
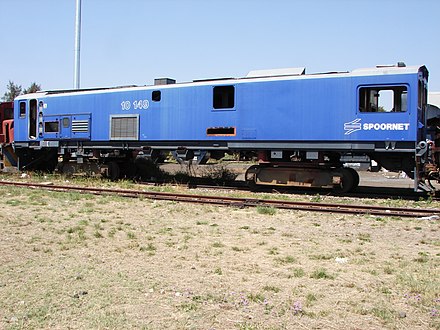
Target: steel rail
[[243, 202]]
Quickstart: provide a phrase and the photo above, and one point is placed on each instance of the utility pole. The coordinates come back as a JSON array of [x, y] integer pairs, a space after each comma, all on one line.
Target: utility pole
[[77, 43]]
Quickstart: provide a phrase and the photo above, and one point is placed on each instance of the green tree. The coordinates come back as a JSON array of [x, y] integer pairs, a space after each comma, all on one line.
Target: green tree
[[13, 91], [33, 88]]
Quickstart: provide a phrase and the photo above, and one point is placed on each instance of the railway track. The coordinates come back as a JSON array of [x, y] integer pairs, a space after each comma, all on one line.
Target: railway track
[[242, 202], [360, 192]]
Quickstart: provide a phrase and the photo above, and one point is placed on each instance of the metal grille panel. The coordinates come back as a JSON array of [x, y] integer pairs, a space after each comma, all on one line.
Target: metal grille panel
[[80, 126], [124, 128]]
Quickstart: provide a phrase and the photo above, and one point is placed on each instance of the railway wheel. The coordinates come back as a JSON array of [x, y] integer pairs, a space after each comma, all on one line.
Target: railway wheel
[[356, 178], [113, 171], [251, 177], [349, 180]]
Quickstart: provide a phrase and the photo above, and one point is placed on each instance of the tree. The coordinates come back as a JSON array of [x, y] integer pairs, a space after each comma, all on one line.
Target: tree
[[14, 90], [32, 89]]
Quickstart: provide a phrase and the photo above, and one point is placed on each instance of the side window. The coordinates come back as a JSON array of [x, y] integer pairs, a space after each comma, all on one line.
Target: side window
[[383, 99], [51, 127], [22, 109], [156, 96], [224, 97]]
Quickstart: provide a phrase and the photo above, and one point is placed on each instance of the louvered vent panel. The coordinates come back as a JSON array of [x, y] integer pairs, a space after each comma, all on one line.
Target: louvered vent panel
[[124, 128], [80, 126]]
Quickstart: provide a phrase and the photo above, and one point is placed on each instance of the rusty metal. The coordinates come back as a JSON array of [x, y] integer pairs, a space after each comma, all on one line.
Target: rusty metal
[[243, 202]]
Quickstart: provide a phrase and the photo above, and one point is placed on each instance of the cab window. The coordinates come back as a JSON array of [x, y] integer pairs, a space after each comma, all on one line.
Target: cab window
[[383, 99]]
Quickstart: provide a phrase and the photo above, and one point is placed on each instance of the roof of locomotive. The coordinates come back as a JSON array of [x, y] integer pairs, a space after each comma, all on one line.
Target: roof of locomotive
[[253, 76]]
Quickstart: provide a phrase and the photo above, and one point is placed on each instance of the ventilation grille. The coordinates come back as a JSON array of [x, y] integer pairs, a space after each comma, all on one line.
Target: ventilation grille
[[124, 128], [80, 126]]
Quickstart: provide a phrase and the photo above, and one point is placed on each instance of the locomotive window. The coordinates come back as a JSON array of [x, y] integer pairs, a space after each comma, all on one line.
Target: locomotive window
[[22, 109], [223, 97], [156, 95], [383, 99], [51, 127]]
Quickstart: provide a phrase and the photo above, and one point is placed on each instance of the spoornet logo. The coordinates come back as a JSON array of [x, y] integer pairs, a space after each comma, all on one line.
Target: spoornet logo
[[356, 125]]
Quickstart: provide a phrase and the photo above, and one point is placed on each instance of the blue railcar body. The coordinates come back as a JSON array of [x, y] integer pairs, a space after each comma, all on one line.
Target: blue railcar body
[[308, 109], [336, 112]]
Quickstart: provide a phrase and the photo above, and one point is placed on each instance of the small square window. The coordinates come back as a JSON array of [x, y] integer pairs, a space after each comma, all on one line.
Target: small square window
[[224, 97], [156, 95], [51, 127]]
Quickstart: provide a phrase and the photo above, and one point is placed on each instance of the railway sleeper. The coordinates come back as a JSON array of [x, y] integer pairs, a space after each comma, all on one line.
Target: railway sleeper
[[340, 179]]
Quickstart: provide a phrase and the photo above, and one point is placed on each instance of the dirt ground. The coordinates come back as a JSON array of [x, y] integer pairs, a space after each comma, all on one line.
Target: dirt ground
[[78, 261]]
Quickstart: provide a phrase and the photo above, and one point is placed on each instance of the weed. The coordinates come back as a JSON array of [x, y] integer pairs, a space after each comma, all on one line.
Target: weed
[[271, 288], [188, 307], [218, 174], [364, 237], [310, 299], [150, 247], [321, 257], [322, 273], [112, 232], [298, 272], [83, 222], [422, 258], [131, 235], [218, 271], [13, 202], [266, 210], [388, 270], [384, 313], [247, 326], [285, 260], [256, 298], [217, 245], [345, 240]]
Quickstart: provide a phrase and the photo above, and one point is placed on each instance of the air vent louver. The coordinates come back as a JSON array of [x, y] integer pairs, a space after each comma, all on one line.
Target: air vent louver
[[124, 128]]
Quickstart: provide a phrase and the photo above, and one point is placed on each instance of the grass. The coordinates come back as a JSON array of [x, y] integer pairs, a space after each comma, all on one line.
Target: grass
[[165, 265], [285, 260], [266, 210], [322, 273]]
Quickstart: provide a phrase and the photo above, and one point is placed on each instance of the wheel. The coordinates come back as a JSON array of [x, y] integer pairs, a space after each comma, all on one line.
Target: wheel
[[356, 178], [251, 177], [113, 171], [348, 180]]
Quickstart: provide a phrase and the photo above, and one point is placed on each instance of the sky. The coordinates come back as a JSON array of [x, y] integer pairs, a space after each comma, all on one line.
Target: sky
[[132, 42]]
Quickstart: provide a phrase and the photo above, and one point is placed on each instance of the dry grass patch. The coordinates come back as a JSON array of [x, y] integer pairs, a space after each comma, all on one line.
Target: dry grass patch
[[80, 261]]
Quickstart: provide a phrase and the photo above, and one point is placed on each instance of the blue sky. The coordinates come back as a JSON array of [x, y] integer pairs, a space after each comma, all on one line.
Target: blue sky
[[127, 42]]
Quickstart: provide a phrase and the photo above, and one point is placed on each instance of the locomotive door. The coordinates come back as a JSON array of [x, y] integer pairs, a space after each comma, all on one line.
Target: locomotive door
[[66, 127]]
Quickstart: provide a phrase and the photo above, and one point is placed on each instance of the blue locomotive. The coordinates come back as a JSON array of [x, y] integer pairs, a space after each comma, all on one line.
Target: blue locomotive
[[301, 126]]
